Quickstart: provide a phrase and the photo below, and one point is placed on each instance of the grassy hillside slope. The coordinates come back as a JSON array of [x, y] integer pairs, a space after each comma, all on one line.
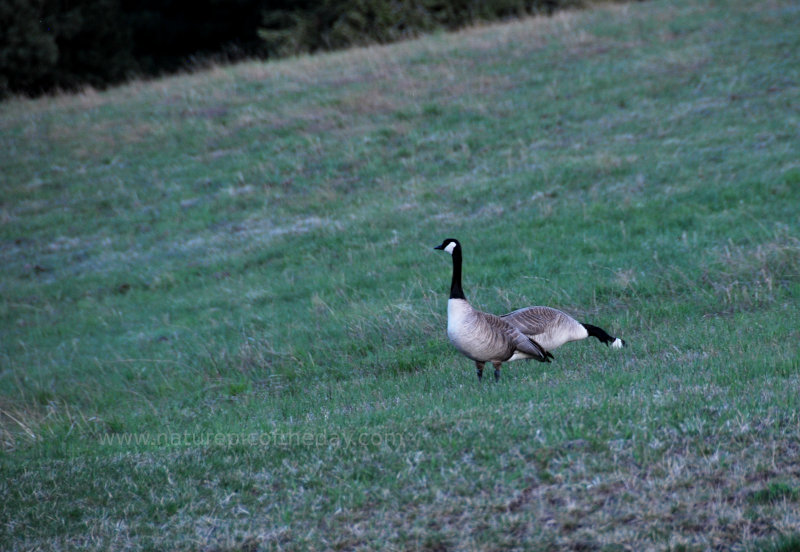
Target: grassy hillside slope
[[222, 320]]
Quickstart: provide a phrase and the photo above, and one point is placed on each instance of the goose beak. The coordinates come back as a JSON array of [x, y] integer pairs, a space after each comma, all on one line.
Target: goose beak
[[440, 246]]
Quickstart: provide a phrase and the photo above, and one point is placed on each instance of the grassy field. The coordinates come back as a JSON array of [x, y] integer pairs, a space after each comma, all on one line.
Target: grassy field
[[222, 322]]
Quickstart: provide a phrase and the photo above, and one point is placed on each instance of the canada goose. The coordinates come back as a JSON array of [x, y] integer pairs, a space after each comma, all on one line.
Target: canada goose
[[530, 332]]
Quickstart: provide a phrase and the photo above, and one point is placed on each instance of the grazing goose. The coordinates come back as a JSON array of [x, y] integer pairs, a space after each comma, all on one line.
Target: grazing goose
[[527, 333]]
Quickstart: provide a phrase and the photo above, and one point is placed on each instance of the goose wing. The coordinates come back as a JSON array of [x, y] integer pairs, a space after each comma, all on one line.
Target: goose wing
[[529, 346], [538, 320], [520, 341]]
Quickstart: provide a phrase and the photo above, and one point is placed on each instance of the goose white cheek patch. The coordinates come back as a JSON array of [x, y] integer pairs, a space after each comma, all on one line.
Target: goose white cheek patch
[[450, 246], [617, 343]]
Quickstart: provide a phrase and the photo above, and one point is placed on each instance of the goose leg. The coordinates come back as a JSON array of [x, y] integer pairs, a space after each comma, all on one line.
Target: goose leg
[[479, 366], [496, 370]]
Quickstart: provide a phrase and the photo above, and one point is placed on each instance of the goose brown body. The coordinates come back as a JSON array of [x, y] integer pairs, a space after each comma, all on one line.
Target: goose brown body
[[484, 337]]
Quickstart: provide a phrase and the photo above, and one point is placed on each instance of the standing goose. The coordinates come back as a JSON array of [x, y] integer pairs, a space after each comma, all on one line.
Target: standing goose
[[531, 332]]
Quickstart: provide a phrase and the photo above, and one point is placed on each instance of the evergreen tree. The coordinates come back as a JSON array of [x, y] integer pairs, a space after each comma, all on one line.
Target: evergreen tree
[[28, 51], [94, 44]]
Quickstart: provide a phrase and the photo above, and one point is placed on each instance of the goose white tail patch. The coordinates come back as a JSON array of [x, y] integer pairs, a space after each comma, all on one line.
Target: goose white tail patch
[[450, 246], [617, 344]]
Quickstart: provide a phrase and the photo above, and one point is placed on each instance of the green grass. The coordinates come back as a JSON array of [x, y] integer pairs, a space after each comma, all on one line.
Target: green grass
[[222, 320]]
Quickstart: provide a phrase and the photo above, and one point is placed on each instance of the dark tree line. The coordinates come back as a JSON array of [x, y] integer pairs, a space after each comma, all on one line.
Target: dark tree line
[[65, 44]]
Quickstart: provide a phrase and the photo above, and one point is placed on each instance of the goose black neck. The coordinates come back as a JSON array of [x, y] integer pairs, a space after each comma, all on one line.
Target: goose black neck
[[455, 287]]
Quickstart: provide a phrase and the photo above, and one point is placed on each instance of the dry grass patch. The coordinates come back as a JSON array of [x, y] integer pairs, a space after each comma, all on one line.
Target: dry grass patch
[[18, 422], [696, 494], [747, 275]]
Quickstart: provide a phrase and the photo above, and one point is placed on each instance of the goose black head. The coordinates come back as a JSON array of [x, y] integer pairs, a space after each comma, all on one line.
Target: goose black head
[[449, 245]]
